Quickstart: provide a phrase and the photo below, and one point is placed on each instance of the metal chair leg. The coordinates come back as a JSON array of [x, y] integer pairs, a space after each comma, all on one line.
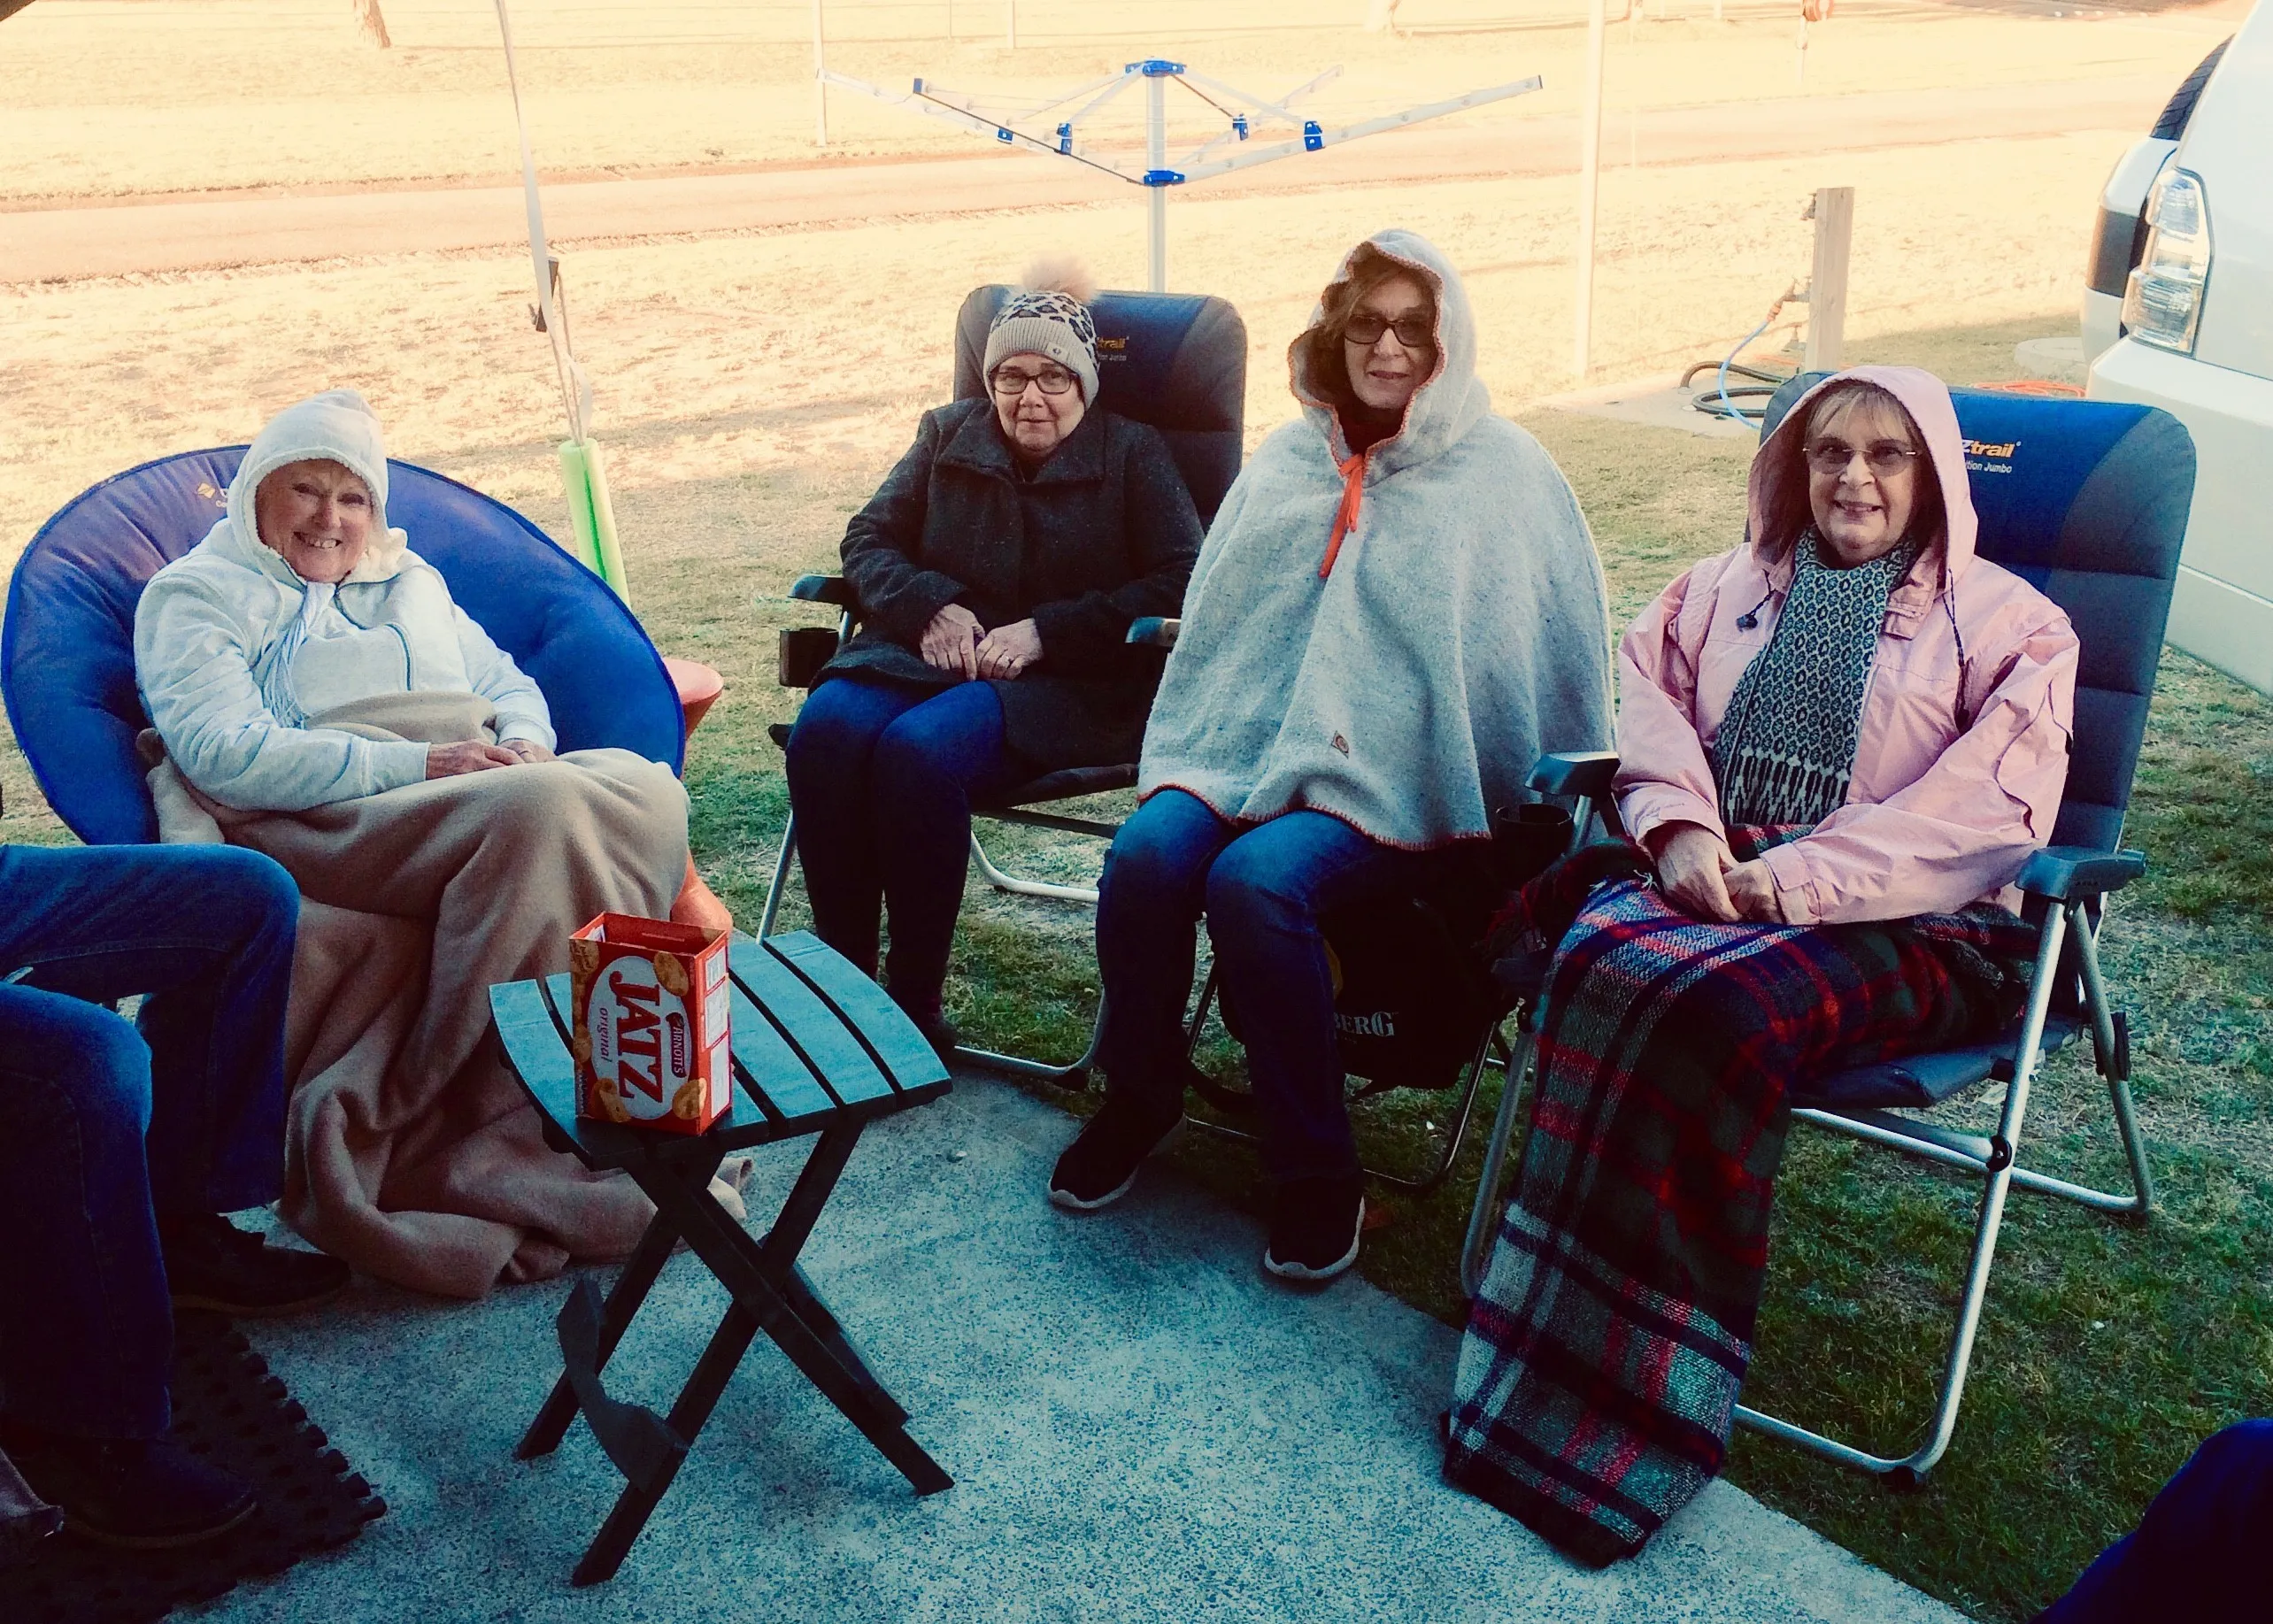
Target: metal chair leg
[[1483, 1218], [1072, 1075], [1017, 887], [1997, 1171], [781, 877]]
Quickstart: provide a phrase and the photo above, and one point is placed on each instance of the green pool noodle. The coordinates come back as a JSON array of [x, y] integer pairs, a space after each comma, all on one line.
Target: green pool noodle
[[604, 524], [575, 481]]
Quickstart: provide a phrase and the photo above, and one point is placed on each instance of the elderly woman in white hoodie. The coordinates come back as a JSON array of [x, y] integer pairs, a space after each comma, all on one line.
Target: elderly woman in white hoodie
[[1398, 609], [327, 703]]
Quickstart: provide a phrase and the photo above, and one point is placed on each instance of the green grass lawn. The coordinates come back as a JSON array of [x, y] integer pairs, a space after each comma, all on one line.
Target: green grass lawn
[[2108, 1350]]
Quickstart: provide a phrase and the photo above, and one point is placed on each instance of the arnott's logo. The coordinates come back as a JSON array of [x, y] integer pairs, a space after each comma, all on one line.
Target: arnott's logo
[[639, 1037]]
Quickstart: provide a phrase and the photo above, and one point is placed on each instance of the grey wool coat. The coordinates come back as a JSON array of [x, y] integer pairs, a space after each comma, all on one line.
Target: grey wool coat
[[1404, 682], [1102, 533]]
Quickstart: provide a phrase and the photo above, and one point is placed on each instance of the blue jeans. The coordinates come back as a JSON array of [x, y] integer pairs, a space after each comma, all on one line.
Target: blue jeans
[[105, 1128], [1262, 890], [2199, 1553], [881, 782]]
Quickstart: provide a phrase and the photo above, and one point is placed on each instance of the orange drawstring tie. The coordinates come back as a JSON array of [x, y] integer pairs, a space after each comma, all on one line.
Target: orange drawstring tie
[[1345, 516]]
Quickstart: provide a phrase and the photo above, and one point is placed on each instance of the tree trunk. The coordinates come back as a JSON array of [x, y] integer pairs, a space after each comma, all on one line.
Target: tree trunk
[[373, 25]]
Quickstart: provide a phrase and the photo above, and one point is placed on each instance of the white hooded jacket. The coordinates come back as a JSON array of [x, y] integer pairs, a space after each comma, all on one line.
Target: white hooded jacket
[[1407, 685], [211, 626]]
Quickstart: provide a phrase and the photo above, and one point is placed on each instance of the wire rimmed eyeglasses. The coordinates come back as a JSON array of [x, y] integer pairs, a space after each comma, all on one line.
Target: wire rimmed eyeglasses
[[1011, 383], [1881, 457]]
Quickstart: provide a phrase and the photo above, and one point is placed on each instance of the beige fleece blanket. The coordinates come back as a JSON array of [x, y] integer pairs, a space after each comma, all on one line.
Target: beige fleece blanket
[[411, 1151]]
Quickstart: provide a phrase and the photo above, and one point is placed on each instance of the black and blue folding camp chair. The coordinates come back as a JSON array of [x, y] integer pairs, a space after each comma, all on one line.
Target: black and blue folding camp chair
[[67, 660], [2087, 501], [1175, 361]]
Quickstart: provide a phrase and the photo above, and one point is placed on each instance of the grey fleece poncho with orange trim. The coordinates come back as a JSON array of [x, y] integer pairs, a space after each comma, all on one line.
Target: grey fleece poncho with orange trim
[[1407, 684]]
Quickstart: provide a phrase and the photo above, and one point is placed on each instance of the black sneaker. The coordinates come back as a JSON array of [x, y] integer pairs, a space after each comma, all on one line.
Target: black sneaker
[[1097, 1168], [1314, 1229], [144, 1494], [211, 1263]]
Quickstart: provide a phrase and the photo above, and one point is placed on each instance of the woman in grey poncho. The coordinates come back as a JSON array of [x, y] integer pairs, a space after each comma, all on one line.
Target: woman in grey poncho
[[1398, 609]]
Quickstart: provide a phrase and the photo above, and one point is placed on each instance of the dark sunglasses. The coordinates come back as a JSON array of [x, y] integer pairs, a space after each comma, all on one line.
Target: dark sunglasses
[[1413, 332]]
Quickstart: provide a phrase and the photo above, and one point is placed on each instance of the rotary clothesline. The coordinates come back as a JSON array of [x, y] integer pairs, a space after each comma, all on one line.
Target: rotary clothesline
[[1242, 111]]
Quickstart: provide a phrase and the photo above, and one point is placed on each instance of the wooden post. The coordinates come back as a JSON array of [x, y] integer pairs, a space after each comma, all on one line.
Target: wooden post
[[819, 86], [1590, 173], [1827, 284]]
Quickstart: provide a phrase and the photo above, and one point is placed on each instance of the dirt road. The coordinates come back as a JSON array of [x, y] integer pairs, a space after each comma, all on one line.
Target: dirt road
[[61, 244]]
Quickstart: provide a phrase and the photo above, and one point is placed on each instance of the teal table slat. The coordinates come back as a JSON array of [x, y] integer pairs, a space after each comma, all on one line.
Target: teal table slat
[[898, 1041], [532, 1042], [771, 1067], [837, 1057]]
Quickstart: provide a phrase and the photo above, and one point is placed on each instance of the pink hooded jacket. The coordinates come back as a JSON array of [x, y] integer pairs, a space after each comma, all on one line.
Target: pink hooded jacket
[[1938, 814]]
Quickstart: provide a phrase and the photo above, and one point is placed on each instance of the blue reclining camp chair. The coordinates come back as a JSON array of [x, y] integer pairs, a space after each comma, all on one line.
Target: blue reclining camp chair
[[2087, 501], [67, 661], [1175, 361]]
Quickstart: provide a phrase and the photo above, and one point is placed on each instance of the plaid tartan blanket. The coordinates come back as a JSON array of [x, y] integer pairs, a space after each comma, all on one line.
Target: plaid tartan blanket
[[1604, 1354]]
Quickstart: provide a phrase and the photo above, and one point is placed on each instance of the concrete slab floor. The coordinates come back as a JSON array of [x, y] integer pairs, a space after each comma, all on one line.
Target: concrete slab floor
[[1140, 1423], [1658, 403]]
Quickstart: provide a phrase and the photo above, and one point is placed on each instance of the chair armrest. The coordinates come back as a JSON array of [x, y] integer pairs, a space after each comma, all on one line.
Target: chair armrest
[[1576, 771], [1154, 632], [2078, 873], [825, 589]]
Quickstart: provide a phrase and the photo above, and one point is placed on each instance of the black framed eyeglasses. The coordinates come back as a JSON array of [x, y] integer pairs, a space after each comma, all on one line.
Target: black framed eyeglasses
[[1010, 384], [1881, 457], [1413, 332]]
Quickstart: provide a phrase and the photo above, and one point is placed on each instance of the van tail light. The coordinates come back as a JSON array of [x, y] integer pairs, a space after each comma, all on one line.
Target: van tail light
[[2162, 301]]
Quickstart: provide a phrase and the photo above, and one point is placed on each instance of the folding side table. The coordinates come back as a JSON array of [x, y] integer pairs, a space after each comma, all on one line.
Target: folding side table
[[817, 1050]]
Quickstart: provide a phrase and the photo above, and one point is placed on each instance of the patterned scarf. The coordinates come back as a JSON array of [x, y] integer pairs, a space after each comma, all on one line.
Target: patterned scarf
[[1786, 747]]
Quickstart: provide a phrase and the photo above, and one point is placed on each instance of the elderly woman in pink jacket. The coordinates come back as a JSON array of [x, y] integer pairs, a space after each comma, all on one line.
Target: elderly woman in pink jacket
[[1837, 742]]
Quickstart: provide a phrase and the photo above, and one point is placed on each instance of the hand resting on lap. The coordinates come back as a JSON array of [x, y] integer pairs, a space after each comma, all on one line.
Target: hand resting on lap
[[1007, 650], [950, 642], [449, 760]]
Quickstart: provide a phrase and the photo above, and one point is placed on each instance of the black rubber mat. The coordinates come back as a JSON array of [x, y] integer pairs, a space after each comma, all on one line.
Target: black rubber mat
[[228, 1408]]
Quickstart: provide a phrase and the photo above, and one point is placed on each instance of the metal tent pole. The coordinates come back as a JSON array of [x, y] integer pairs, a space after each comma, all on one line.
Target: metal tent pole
[[1590, 173], [1156, 160]]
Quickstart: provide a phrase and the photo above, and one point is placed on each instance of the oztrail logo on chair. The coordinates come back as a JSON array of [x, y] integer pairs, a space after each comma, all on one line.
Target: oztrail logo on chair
[[650, 1049]]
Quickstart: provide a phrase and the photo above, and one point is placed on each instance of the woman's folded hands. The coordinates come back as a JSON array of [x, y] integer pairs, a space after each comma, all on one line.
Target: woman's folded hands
[[471, 756], [955, 642], [1699, 875]]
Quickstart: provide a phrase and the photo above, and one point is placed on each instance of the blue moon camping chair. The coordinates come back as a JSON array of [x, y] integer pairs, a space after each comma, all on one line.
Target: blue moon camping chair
[[2087, 501], [67, 660], [1175, 361]]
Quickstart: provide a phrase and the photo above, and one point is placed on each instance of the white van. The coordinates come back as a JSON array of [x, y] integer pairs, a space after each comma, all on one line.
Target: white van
[[2178, 313]]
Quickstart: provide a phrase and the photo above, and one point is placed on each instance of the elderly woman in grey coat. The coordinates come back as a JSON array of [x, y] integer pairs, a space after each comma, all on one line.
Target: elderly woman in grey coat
[[997, 569], [1398, 609]]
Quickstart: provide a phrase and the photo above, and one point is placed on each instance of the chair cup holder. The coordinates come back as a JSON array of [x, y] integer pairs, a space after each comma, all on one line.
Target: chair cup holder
[[1526, 840], [803, 651]]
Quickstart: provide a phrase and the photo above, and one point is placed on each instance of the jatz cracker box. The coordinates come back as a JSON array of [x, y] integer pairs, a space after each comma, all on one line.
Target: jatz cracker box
[[650, 1038]]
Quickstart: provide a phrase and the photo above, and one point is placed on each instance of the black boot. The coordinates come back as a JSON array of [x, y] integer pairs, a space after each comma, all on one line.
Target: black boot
[[211, 1263], [144, 1494]]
